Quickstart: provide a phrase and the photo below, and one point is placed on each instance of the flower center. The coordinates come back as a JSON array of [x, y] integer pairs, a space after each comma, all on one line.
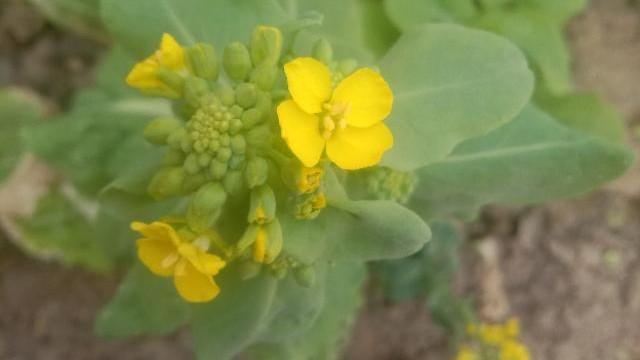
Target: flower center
[[333, 117]]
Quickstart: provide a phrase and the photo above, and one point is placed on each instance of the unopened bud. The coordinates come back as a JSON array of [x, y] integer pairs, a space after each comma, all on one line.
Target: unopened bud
[[158, 130], [323, 51], [236, 61], [173, 81], [305, 276], [218, 169], [173, 157], [191, 165], [233, 182], [205, 206], [262, 206], [274, 241], [246, 95], [166, 183], [347, 66], [192, 183], [225, 93], [266, 45], [257, 171], [175, 138], [264, 76], [202, 61], [260, 134], [238, 144], [251, 117], [195, 89], [247, 239]]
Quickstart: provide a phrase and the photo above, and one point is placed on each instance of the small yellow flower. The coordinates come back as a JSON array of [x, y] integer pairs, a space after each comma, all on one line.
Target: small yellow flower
[[183, 256], [513, 350], [466, 353], [170, 56], [309, 179], [347, 120]]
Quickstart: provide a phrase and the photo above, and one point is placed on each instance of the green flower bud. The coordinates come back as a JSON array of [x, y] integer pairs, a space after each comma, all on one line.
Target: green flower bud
[[192, 183], [263, 103], [166, 183], [236, 111], [274, 241], [174, 139], [236, 162], [158, 130], [247, 239], [236, 61], [202, 61], [204, 159], [305, 276], [259, 135], [246, 95], [257, 172], [347, 66], [264, 76], [205, 207], [218, 169], [262, 206], [323, 51], [185, 143], [251, 117], [249, 270], [235, 126], [173, 157], [226, 94], [238, 144], [224, 154], [266, 45], [191, 165], [233, 182], [172, 80], [195, 89]]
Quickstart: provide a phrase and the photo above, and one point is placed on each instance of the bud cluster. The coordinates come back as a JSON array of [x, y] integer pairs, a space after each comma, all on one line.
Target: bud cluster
[[388, 184]]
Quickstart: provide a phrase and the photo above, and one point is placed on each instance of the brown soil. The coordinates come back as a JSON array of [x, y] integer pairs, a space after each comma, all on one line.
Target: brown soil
[[569, 270]]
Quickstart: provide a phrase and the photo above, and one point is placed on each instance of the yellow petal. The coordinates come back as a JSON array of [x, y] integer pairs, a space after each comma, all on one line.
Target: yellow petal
[[260, 246], [354, 148], [158, 255], [171, 53], [193, 285], [368, 96], [157, 230], [309, 83], [301, 131], [143, 76]]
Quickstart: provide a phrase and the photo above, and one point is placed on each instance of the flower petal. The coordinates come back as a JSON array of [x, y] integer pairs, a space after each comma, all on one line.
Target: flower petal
[[368, 95], [171, 53], [193, 285], [301, 131], [354, 148], [158, 255], [157, 230], [260, 246], [309, 83], [143, 76]]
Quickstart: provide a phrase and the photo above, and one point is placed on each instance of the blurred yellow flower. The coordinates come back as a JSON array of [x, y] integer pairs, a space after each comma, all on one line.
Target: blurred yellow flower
[[494, 342], [347, 120], [170, 56], [183, 256]]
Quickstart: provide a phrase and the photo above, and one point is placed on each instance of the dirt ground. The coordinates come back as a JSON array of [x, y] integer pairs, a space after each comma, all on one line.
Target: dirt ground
[[570, 270]]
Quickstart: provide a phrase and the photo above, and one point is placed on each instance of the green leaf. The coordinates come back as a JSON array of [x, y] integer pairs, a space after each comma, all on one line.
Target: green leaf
[[225, 326], [587, 112], [145, 304], [450, 83], [327, 336], [561, 10], [60, 229], [17, 110], [541, 37], [213, 21], [379, 32], [529, 160], [406, 14]]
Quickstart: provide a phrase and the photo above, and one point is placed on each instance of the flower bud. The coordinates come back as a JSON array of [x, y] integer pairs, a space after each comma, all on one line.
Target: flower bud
[[158, 130], [302, 179], [233, 182], [166, 183], [264, 76], [192, 183], [323, 51], [173, 81], [173, 157], [274, 241], [266, 45], [236, 61], [175, 138], [249, 270], [311, 206], [257, 172], [347, 66], [246, 95], [259, 135], [195, 89], [191, 165], [218, 169], [247, 239], [238, 144], [305, 276], [251, 117], [205, 206], [226, 94], [262, 207], [202, 61]]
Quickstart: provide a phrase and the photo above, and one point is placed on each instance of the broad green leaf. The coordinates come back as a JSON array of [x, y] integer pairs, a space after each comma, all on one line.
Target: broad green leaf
[[80, 16], [213, 21], [305, 240], [145, 304], [450, 83], [224, 327], [406, 14], [541, 37], [61, 230], [329, 333], [529, 160], [379, 32], [587, 112], [17, 110]]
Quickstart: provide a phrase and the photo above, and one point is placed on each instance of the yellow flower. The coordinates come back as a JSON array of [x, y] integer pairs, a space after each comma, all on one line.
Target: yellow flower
[[466, 353], [183, 256], [513, 350], [144, 77], [309, 179], [347, 120]]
